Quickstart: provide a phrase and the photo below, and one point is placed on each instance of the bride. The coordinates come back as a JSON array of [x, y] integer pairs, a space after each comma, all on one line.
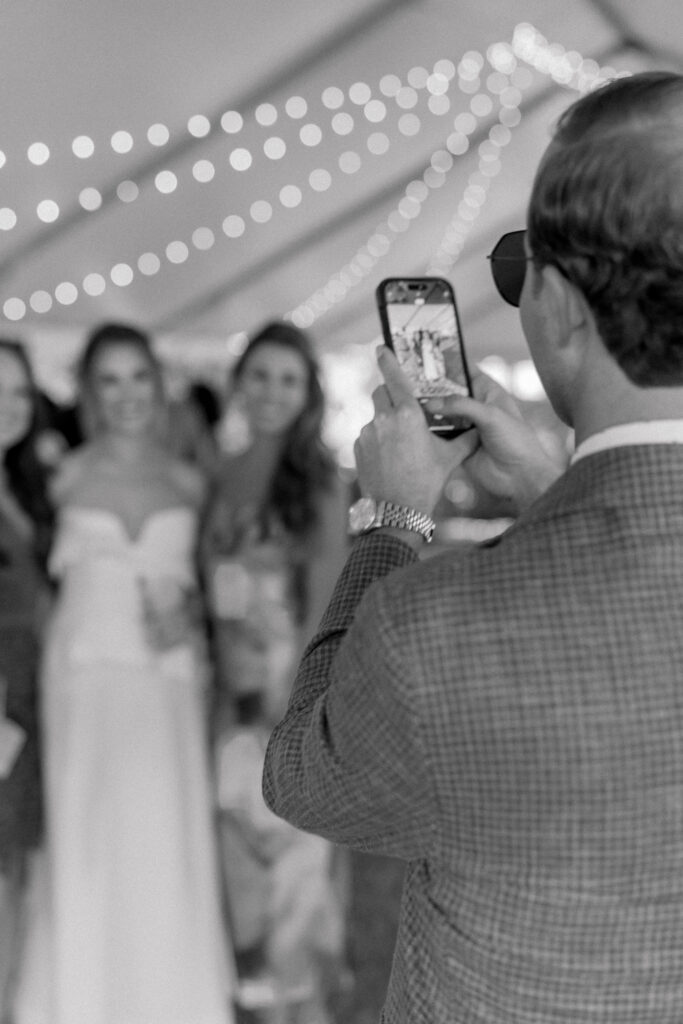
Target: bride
[[126, 927]]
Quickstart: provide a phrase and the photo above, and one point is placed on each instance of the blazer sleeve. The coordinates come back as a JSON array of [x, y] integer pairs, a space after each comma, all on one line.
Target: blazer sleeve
[[347, 761]]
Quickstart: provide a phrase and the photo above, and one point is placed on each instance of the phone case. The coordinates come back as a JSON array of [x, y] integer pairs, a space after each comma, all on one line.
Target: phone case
[[420, 323]]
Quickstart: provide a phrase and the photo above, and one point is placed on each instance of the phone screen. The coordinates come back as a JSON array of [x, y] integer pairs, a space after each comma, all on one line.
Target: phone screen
[[420, 319]]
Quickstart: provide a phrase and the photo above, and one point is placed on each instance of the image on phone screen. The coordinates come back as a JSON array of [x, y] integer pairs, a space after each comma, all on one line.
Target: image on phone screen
[[426, 339], [420, 323]]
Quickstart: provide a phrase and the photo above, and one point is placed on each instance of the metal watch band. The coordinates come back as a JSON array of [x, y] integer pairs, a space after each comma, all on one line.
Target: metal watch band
[[405, 519]]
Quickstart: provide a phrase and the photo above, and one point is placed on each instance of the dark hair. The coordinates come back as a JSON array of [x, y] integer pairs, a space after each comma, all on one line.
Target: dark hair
[[205, 399], [607, 210], [102, 337], [26, 473], [306, 466]]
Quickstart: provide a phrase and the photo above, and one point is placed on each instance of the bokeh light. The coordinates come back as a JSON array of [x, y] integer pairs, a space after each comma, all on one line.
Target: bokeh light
[[8, 218], [47, 210], [265, 114], [233, 226], [41, 301], [320, 179], [274, 147], [66, 293], [121, 275], [82, 147], [290, 196], [14, 309], [121, 142], [158, 134], [149, 264], [261, 211], [231, 122], [177, 252], [94, 285], [166, 182], [199, 126], [203, 171], [203, 238], [240, 159], [38, 153], [127, 191], [90, 199]]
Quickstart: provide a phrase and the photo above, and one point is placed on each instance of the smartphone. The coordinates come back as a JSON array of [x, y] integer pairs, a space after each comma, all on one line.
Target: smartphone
[[420, 323]]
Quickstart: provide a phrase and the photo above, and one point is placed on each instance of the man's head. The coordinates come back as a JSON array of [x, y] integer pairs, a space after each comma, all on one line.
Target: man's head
[[606, 211]]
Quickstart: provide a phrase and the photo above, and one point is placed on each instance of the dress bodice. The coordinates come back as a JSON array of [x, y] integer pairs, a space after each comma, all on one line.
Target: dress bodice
[[163, 547], [107, 577]]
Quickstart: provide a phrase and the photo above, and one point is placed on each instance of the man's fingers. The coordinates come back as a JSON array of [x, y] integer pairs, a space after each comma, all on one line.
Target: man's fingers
[[397, 384], [381, 399], [462, 446], [477, 412], [487, 390]]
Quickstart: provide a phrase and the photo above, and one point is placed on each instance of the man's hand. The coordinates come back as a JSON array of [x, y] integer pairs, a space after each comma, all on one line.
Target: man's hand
[[398, 458], [506, 459]]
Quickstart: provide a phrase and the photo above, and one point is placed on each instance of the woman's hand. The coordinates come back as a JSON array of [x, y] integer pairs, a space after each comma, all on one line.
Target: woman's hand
[[171, 613]]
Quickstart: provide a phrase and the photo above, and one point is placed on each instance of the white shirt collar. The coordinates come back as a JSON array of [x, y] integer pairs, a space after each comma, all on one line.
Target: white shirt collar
[[652, 432]]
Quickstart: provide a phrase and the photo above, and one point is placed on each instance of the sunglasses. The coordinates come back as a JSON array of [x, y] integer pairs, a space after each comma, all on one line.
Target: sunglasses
[[508, 266]]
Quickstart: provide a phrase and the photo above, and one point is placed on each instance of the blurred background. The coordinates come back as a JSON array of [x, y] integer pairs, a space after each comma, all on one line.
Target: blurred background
[[199, 168]]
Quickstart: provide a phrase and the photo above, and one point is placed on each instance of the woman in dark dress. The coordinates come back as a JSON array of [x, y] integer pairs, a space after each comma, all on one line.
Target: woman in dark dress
[[25, 520]]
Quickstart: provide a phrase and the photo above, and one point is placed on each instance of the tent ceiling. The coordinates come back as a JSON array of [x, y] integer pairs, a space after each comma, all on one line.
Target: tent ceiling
[[73, 69]]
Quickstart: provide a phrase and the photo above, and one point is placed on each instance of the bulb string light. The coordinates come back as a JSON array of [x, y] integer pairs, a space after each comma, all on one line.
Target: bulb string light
[[240, 158], [94, 284], [408, 209], [567, 68]]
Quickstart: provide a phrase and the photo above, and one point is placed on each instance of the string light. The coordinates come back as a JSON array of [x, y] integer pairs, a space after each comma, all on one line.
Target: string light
[[38, 153], [83, 147], [266, 114], [296, 107], [8, 219], [290, 196], [409, 206], [505, 83], [566, 67], [489, 166]]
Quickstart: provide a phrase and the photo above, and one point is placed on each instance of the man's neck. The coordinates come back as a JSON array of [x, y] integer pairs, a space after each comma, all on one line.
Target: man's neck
[[615, 401]]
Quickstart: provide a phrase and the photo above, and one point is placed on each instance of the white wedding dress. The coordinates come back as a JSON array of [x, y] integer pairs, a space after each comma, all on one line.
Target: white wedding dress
[[124, 923]]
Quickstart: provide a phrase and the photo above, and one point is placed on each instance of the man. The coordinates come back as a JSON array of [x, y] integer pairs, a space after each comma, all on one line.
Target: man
[[510, 720]]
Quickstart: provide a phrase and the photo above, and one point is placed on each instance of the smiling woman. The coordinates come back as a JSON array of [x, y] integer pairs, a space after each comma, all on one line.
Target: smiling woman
[[126, 925], [273, 545]]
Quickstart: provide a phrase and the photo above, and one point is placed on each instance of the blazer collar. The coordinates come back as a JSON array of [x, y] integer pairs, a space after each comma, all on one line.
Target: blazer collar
[[629, 481]]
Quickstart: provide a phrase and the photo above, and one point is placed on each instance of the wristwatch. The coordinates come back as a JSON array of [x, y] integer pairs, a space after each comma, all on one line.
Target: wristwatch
[[367, 514]]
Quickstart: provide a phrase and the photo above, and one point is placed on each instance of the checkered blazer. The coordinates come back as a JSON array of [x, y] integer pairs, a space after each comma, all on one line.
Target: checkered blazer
[[509, 720]]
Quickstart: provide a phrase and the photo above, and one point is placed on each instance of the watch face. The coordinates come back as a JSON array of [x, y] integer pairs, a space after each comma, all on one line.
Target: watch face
[[362, 514]]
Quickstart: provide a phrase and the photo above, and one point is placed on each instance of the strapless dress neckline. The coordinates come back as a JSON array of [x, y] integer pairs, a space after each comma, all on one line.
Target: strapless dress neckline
[[109, 515]]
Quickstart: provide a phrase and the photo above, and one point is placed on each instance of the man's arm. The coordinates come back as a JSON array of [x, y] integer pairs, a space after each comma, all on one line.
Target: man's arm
[[346, 761]]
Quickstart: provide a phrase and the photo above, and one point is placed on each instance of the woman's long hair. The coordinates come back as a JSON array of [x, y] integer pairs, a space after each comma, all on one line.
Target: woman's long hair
[[26, 473], [306, 467]]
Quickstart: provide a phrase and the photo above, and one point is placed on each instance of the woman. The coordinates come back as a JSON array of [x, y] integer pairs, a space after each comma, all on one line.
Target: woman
[[24, 497], [127, 930], [24, 515], [273, 544]]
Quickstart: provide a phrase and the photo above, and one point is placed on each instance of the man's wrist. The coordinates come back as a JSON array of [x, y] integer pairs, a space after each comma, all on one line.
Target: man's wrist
[[414, 540], [368, 514]]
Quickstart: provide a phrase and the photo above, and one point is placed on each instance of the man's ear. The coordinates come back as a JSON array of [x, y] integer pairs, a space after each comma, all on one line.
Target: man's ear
[[568, 305]]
